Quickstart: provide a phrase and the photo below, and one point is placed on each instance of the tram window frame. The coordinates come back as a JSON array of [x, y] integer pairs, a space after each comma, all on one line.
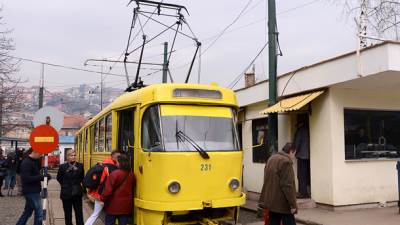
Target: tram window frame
[[151, 146], [125, 138], [155, 141], [108, 133], [95, 137], [102, 135], [86, 140]]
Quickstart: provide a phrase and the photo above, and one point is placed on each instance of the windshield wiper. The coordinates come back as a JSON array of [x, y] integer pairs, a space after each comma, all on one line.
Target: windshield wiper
[[182, 137]]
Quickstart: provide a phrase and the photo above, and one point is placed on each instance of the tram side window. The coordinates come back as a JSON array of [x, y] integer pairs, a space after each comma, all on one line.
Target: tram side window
[[126, 130], [102, 133], [86, 140], [96, 137], [108, 132], [151, 133]]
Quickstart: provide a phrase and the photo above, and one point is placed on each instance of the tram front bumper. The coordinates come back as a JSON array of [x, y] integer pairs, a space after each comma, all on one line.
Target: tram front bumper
[[190, 205]]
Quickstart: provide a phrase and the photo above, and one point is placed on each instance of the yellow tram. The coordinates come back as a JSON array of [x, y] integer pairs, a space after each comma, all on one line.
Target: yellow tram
[[183, 142]]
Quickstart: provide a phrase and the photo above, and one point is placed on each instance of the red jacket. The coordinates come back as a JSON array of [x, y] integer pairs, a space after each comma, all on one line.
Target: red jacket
[[94, 193], [118, 193]]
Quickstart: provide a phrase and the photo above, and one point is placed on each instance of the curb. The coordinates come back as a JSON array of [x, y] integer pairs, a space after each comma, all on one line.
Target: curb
[[299, 220]]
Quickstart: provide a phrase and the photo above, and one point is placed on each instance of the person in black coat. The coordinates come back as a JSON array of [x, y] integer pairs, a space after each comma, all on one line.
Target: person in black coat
[[70, 176]]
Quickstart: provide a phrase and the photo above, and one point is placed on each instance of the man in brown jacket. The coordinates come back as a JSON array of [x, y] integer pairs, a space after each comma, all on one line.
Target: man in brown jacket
[[279, 192]]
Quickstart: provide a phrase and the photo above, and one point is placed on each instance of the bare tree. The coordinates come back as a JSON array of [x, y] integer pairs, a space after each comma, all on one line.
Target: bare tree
[[382, 17], [10, 93]]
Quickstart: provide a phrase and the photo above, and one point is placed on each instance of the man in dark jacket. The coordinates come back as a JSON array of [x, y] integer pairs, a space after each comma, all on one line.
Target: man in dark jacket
[[302, 144], [31, 187], [279, 191]]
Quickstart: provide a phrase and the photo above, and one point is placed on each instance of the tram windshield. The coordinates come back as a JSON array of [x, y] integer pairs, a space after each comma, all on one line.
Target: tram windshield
[[174, 128]]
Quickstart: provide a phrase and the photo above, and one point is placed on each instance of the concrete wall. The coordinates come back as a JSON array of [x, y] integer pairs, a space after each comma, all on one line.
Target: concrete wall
[[253, 173], [321, 156], [334, 180]]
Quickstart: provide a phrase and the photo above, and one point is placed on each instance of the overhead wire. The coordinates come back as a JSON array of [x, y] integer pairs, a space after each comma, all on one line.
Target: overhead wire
[[66, 67], [247, 25], [238, 77]]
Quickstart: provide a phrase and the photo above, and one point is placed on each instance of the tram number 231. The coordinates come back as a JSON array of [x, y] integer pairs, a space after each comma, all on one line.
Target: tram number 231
[[205, 167]]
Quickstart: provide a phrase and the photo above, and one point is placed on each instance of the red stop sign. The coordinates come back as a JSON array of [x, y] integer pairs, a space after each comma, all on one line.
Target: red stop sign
[[43, 139]]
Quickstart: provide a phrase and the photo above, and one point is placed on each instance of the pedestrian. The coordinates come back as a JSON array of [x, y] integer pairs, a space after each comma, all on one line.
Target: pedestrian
[[3, 170], [31, 187], [279, 190], [302, 144], [118, 193], [10, 181], [70, 176], [109, 166], [19, 155]]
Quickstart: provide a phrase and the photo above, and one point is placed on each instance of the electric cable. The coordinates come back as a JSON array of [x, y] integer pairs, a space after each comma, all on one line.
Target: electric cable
[[239, 77], [66, 67]]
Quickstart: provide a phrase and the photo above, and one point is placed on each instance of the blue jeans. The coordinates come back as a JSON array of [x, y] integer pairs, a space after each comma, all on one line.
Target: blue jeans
[[111, 219], [33, 203], [10, 179]]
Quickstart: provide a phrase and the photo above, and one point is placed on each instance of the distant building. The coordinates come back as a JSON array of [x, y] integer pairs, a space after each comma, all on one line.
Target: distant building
[[351, 104], [72, 123]]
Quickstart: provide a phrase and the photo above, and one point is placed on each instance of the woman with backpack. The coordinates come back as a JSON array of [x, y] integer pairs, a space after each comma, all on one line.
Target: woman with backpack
[[118, 193], [70, 176], [108, 165]]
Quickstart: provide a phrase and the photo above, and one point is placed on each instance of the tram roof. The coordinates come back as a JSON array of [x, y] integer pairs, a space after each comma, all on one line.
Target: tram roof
[[163, 93]]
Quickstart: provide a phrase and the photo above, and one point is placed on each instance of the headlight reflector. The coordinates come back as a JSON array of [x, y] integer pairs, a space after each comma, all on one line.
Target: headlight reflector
[[174, 187], [234, 184]]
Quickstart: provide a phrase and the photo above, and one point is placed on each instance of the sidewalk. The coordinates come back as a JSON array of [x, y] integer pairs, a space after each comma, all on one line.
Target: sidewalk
[[316, 216]]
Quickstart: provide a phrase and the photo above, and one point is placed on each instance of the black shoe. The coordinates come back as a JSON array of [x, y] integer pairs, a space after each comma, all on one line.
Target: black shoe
[[302, 196], [1, 195]]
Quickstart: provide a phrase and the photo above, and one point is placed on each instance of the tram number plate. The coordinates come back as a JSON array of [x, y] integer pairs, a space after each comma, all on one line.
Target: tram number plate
[[205, 167]]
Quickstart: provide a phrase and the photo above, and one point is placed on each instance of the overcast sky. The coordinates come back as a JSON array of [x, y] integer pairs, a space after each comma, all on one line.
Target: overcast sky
[[69, 32]]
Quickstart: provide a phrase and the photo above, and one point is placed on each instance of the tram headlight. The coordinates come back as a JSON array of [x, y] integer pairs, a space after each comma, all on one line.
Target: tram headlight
[[234, 184], [174, 187]]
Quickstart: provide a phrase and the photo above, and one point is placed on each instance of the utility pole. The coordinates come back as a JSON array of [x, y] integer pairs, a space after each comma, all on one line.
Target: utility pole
[[272, 117], [101, 88], [165, 64], [41, 88], [2, 92]]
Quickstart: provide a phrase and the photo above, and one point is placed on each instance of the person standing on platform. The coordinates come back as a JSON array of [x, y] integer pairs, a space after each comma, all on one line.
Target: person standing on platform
[[109, 166], [70, 176], [31, 188], [3, 170], [279, 190], [118, 193], [302, 144]]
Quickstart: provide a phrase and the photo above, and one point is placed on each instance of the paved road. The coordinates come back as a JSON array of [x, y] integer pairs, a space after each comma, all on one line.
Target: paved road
[[11, 209]]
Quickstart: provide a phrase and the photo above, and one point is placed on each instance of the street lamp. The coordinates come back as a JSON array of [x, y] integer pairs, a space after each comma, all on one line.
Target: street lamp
[[101, 80]]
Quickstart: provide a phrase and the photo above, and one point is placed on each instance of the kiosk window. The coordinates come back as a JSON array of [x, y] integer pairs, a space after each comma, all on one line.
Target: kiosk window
[[371, 134]]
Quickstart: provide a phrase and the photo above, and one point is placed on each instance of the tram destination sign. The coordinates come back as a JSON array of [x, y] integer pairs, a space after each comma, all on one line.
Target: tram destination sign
[[43, 139]]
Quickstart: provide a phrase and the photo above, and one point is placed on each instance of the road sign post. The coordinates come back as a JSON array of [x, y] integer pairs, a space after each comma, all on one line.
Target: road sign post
[[44, 139]]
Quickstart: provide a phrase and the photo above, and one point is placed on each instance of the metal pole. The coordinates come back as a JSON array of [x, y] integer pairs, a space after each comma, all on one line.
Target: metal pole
[[165, 64], [272, 117], [1, 107], [101, 88], [41, 88], [398, 183]]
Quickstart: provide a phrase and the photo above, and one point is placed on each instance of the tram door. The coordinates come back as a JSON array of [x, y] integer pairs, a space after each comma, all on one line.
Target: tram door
[[126, 132]]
